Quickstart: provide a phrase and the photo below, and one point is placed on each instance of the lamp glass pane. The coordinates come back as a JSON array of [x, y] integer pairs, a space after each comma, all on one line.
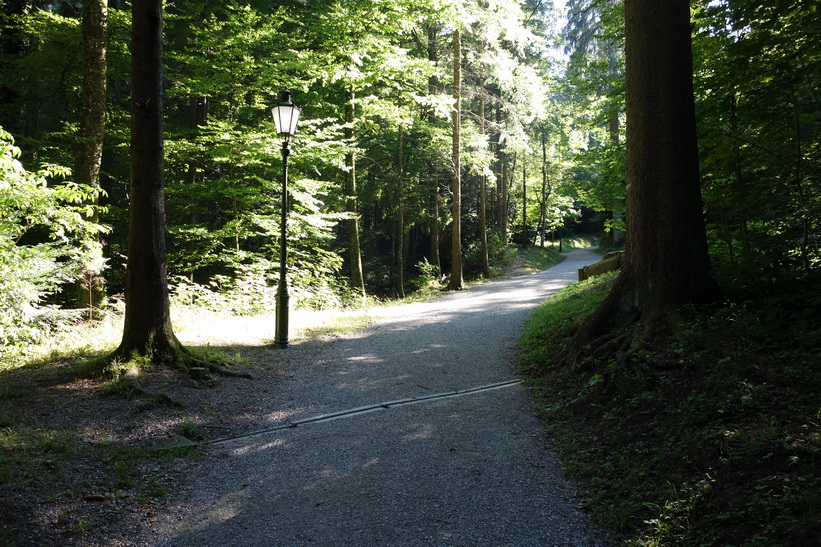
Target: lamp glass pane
[[294, 120], [285, 119]]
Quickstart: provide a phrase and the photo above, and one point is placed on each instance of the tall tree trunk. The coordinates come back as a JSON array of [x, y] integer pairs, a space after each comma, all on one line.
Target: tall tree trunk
[[147, 329], [738, 172], [456, 279], [400, 217], [666, 264], [501, 184], [91, 292], [483, 195], [613, 128], [433, 202], [433, 221], [352, 224], [509, 170], [803, 205], [547, 189], [525, 239], [494, 189]]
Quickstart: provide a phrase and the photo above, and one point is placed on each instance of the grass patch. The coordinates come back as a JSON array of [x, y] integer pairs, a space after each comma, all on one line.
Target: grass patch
[[340, 325], [579, 241], [537, 259], [709, 435]]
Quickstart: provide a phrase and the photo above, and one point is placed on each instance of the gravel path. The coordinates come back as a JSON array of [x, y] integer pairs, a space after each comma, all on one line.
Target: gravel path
[[475, 469]]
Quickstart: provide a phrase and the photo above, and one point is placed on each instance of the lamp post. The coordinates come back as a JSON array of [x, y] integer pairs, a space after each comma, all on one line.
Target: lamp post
[[286, 116]]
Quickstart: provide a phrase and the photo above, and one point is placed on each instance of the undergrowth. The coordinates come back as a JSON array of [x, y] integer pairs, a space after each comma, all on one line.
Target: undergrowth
[[709, 435]]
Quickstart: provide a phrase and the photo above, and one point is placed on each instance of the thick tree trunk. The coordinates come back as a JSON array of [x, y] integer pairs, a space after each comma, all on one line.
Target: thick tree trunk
[[667, 265], [147, 329], [456, 279], [352, 224], [91, 289]]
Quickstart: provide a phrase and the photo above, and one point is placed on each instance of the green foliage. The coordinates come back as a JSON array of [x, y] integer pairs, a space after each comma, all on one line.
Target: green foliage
[[595, 91], [45, 242], [756, 71], [428, 278]]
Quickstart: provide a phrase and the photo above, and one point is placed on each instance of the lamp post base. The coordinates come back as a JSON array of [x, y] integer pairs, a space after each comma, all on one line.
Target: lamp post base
[[281, 336]]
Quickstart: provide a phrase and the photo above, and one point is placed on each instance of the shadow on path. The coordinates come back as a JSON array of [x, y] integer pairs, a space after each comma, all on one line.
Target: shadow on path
[[469, 470]]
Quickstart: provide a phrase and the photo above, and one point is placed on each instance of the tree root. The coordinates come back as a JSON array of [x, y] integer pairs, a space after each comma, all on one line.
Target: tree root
[[130, 385]]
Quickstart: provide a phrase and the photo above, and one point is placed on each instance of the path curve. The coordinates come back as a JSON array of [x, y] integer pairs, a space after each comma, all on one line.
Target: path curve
[[469, 470]]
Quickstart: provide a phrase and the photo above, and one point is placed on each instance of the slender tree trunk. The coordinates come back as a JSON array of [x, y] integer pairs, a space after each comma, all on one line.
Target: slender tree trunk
[[525, 239], [91, 291], [739, 179], [456, 279], [547, 190], [147, 329], [433, 202], [433, 221], [614, 126], [400, 217], [495, 189], [507, 182], [803, 205], [666, 264], [352, 224], [483, 196], [501, 184]]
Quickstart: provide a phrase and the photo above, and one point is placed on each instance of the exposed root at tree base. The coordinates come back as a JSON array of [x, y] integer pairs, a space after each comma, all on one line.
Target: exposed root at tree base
[[131, 385]]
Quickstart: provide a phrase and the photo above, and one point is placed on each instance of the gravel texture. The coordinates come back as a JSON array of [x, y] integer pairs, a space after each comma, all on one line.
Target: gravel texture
[[476, 469]]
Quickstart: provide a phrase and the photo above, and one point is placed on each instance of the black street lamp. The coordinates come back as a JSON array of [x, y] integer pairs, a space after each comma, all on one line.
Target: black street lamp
[[286, 116]]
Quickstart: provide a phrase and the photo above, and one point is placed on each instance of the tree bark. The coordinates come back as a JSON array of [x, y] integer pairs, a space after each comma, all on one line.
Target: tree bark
[[501, 184], [433, 202], [147, 330], [547, 189], [483, 196], [525, 239], [91, 289], [667, 264], [456, 279], [352, 224], [400, 217]]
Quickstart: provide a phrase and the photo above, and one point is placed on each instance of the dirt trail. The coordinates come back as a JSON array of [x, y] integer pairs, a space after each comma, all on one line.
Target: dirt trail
[[473, 469]]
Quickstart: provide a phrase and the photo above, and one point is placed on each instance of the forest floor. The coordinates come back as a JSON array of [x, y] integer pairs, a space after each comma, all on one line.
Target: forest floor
[[705, 432], [80, 464]]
